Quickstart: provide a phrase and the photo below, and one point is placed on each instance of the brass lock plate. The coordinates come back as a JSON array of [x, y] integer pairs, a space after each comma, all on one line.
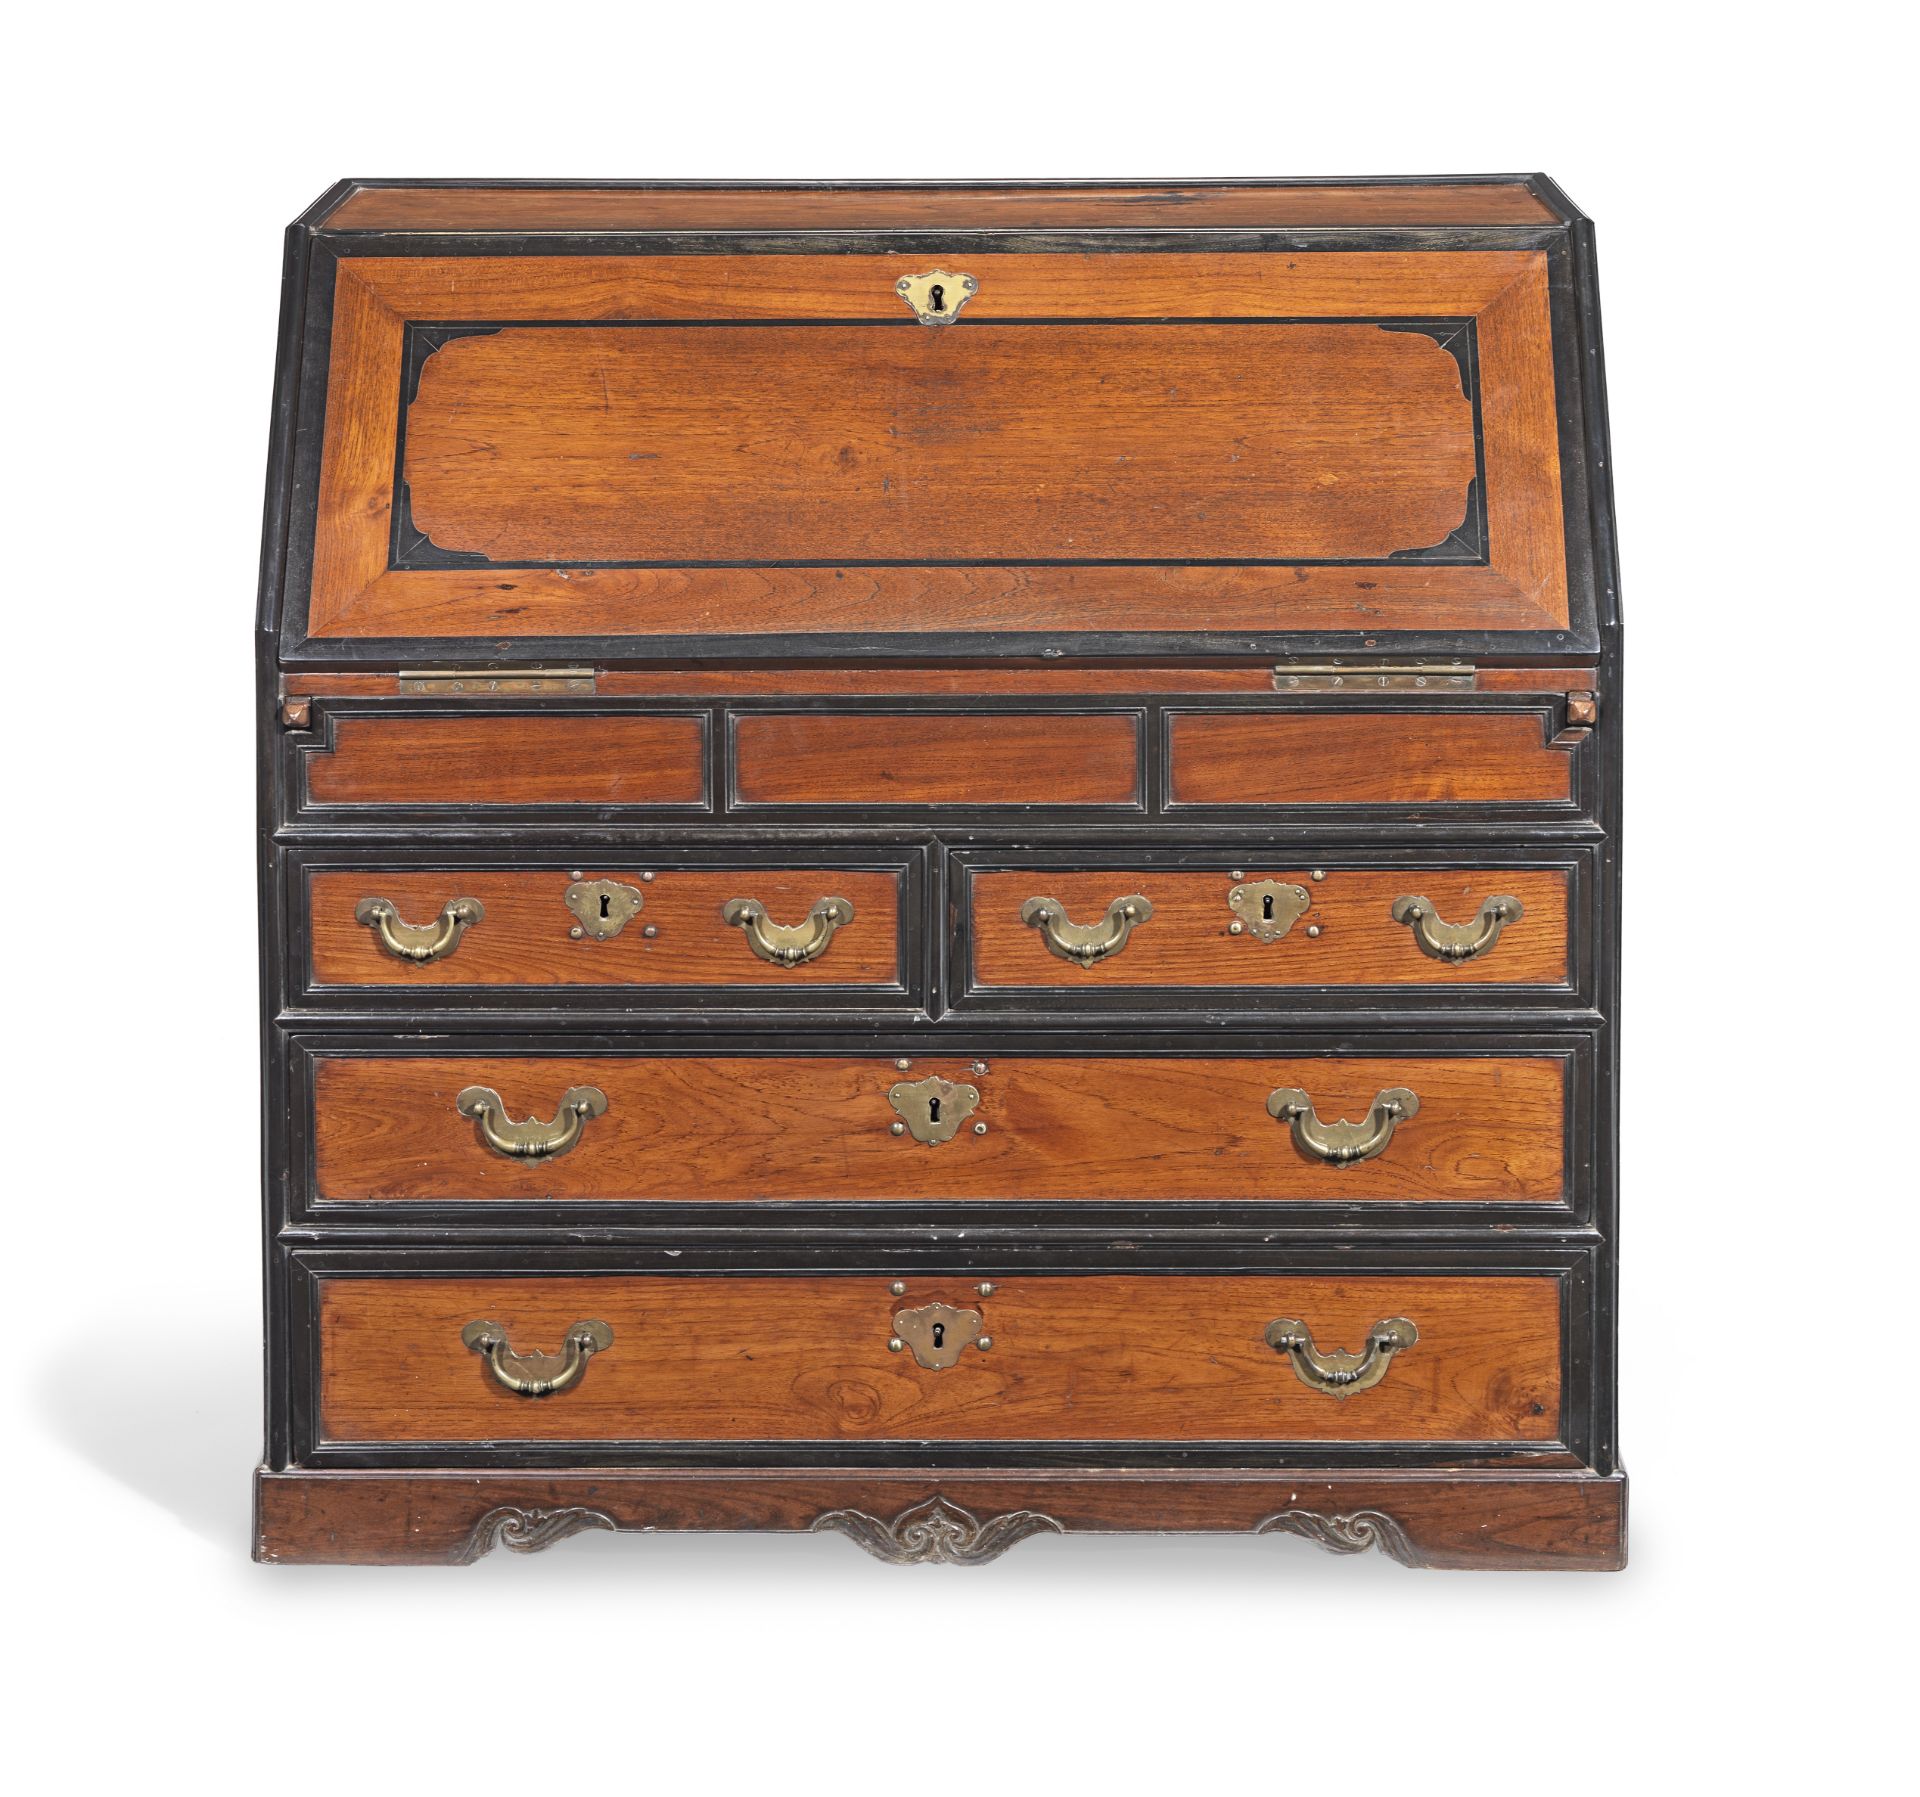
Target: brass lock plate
[[932, 1109], [936, 297], [604, 908], [1266, 909], [938, 1334]]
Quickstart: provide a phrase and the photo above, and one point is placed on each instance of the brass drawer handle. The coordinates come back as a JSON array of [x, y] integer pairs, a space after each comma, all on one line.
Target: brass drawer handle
[[788, 944], [1335, 1371], [532, 1140], [1342, 1144], [1457, 942], [419, 941], [1086, 943], [537, 1375]]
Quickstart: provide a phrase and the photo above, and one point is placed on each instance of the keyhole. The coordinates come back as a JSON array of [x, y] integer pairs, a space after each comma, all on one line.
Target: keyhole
[[938, 298], [933, 1110], [606, 905], [939, 1335], [1266, 905]]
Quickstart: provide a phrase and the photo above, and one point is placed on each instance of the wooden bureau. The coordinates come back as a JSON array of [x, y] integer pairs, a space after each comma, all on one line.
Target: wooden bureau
[[941, 862]]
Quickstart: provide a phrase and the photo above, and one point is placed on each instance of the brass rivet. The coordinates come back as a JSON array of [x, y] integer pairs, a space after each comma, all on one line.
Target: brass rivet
[[579, 873], [644, 878], [985, 1288], [896, 1129], [1236, 928], [652, 929], [979, 1129], [1313, 929], [986, 1341], [898, 1288], [1319, 873], [894, 1344], [979, 1067], [576, 932], [903, 1064], [1239, 873]]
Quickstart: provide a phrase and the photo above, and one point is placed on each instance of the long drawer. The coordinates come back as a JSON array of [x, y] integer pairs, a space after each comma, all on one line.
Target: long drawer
[[1091, 1358], [459, 1128]]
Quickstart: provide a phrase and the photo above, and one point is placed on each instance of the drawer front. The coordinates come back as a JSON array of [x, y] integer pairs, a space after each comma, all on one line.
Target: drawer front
[[1250, 925], [1392, 756], [1090, 1358], [829, 1128], [755, 931], [935, 760], [638, 760]]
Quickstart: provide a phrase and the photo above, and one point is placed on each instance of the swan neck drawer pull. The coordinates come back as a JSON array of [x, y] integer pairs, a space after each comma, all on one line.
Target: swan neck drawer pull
[[1332, 1370], [1342, 1144], [788, 944], [1086, 943], [419, 941], [537, 1375], [532, 1140], [1457, 942]]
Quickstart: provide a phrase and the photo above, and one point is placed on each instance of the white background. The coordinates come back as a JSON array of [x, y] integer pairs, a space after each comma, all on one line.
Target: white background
[[1760, 332]]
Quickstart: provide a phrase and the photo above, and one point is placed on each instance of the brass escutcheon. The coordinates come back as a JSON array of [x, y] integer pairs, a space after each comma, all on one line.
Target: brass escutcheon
[[604, 907], [1334, 1371], [1267, 908], [1085, 943], [938, 1334], [419, 941], [932, 1109], [1342, 1144], [537, 1375], [1457, 942], [532, 1140], [936, 297], [788, 944]]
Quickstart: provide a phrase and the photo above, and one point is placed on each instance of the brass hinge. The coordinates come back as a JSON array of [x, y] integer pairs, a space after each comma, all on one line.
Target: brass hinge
[[1366, 677], [483, 683]]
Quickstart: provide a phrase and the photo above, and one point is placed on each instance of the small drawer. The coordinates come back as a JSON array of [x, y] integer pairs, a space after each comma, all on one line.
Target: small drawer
[[1422, 927], [496, 758], [937, 760], [1512, 753], [832, 1128], [676, 1358], [464, 929]]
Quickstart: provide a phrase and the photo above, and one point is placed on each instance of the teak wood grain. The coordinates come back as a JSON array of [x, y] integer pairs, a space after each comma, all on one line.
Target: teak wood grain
[[1522, 586], [523, 938], [1382, 757], [1103, 442], [1251, 206], [1076, 1358], [933, 758], [510, 759], [1186, 942], [805, 1128]]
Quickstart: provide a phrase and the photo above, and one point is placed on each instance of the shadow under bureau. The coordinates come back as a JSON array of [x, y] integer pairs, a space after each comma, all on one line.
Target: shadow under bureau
[[940, 863]]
